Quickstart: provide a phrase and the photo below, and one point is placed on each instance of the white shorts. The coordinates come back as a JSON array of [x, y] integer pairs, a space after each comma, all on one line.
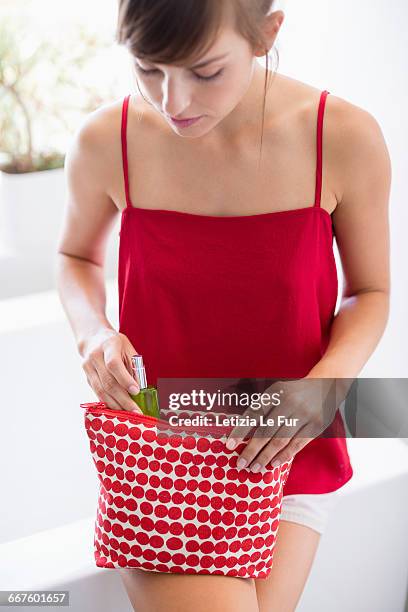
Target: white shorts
[[310, 509]]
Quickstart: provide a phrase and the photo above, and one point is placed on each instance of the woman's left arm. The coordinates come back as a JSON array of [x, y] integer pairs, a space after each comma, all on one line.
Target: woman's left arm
[[362, 234], [355, 147]]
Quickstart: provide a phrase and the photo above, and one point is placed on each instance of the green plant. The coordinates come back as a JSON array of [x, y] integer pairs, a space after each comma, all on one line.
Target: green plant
[[46, 86]]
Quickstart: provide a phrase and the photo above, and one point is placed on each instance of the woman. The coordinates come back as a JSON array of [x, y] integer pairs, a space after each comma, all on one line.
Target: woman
[[226, 265]]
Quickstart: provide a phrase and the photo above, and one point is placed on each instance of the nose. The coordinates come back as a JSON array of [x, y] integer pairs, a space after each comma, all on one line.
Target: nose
[[176, 96]]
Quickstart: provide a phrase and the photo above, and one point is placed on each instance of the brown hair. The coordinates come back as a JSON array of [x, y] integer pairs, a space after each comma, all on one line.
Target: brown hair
[[175, 31]]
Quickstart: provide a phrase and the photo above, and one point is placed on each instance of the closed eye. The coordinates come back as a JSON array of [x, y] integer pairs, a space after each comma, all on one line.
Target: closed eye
[[197, 76]]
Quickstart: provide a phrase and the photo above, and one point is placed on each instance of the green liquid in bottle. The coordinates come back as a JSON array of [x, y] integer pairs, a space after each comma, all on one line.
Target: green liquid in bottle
[[148, 401]]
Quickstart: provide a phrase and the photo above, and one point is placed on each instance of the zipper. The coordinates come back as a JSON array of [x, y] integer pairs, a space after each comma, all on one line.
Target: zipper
[[101, 408]]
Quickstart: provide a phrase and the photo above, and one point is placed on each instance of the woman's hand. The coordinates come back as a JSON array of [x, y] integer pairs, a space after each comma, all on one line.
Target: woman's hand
[[299, 418], [107, 365]]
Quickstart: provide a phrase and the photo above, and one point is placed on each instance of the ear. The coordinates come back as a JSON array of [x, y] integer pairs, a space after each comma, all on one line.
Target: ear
[[272, 25]]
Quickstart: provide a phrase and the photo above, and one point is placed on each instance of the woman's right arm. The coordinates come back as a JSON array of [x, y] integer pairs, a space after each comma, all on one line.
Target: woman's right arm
[[89, 217]]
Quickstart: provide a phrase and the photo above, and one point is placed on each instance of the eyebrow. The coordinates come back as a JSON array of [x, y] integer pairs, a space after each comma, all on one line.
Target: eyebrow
[[210, 61]]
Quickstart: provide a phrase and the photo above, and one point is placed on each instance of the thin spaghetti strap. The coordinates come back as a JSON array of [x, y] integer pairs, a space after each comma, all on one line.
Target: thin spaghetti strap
[[125, 106], [319, 142]]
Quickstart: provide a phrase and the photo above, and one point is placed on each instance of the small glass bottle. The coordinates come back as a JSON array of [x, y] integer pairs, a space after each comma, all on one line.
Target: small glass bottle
[[147, 398]]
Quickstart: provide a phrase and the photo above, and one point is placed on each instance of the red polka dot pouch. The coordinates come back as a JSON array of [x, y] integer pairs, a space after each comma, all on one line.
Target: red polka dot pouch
[[174, 501]]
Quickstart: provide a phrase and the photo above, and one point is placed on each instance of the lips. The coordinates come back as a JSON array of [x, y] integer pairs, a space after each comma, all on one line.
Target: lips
[[185, 122], [185, 118]]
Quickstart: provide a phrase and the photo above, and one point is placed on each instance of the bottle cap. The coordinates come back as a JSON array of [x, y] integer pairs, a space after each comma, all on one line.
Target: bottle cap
[[139, 371]]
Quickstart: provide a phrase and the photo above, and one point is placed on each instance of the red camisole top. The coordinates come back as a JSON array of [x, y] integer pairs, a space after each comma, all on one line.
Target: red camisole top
[[242, 296]]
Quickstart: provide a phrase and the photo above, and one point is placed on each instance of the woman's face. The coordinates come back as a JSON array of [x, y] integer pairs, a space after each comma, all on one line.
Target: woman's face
[[210, 88]]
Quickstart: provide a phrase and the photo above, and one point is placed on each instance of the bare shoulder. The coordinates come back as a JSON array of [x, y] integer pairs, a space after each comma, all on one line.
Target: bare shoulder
[[97, 146], [94, 160], [356, 160], [97, 141], [355, 144], [351, 119], [355, 154]]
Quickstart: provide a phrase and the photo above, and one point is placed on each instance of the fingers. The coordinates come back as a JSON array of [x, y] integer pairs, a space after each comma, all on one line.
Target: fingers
[[108, 370], [119, 367], [238, 433], [301, 422], [249, 453], [278, 456], [110, 385], [265, 446], [103, 395]]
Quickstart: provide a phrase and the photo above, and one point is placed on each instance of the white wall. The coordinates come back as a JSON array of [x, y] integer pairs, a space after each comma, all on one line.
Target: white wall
[[358, 51]]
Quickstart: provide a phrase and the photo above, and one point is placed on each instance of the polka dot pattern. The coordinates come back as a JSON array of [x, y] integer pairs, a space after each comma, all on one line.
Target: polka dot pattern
[[176, 503]]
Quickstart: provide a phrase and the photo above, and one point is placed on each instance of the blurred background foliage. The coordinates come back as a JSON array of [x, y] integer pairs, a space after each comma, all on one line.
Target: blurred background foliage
[[55, 67]]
